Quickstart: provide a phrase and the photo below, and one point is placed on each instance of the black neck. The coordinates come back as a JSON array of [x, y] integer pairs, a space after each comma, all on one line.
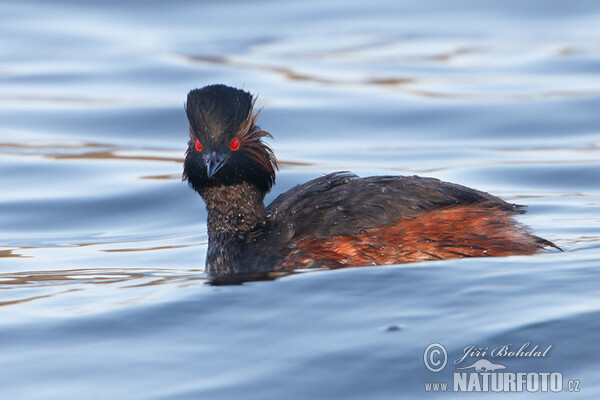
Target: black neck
[[233, 212]]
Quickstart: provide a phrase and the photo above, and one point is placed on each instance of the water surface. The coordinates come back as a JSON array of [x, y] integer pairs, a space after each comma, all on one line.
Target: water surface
[[102, 245]]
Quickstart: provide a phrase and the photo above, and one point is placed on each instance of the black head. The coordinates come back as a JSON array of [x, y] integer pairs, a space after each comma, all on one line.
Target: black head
[[225, 144]]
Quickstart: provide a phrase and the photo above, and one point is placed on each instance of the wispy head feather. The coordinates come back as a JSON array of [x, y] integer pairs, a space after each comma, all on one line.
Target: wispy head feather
[[251, 136]]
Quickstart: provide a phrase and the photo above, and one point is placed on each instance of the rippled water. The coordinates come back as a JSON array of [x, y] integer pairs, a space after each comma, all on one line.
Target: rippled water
[[102, 246]]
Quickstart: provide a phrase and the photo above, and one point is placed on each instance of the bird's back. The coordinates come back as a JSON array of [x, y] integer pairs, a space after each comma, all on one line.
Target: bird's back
[[340, 219]]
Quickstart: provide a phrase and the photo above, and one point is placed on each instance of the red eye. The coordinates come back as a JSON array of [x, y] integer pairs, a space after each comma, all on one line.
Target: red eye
[[198, 145], [235, 144]]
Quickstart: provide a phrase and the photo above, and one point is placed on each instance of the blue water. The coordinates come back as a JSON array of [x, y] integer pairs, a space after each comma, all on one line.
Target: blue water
[[102, 291]]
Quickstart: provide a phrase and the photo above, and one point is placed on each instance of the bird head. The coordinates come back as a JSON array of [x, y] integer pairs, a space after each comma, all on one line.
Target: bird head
[[226, 146]]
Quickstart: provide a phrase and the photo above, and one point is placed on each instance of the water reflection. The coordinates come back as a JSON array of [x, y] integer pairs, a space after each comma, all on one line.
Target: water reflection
[[84, 279], [11, 253], [64, 151], [429, 86]]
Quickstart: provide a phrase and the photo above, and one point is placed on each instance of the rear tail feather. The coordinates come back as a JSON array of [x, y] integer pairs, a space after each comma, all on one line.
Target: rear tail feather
[[545, 243]]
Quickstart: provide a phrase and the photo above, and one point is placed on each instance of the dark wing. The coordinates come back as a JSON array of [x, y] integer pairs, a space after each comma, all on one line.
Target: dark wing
[[344, 204]]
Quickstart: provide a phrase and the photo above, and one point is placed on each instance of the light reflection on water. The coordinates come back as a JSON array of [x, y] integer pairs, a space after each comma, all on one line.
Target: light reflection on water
[[101, 258]]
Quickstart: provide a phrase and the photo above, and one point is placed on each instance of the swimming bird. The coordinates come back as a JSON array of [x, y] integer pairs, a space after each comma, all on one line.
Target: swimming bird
[[334, 221]]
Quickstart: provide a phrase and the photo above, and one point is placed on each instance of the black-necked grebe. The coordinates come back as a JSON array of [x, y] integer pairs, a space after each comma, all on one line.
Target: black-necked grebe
[[334, 221]]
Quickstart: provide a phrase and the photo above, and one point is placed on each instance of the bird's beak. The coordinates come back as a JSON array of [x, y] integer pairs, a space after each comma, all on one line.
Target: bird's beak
[[214, 162]]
